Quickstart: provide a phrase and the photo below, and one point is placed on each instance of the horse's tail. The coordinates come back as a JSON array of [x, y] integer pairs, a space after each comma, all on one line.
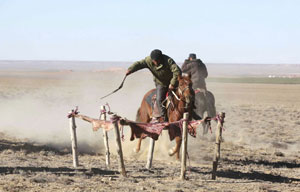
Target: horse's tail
[[138, 115], [211, 107]]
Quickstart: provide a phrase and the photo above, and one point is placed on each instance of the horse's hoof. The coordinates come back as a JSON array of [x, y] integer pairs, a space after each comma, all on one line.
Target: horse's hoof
[[171, 152], [136, 150]]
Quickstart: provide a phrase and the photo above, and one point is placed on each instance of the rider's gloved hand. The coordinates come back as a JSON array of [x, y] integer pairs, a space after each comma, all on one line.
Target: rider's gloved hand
[[171, 87]]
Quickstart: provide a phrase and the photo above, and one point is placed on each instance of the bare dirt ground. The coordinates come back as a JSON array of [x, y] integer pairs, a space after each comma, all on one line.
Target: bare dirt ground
[[260, 151]]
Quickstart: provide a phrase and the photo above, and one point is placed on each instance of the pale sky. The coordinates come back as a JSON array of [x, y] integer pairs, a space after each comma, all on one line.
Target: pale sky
[[218, 31]]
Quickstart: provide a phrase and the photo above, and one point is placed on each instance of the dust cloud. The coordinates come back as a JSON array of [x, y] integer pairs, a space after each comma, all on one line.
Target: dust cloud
[[34, 106]]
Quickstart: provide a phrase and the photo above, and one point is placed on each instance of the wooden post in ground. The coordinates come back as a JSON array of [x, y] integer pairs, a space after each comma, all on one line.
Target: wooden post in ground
[[184, 146], [218, 144], [105, 138], [119, 146], [150, 153], [74, 141]]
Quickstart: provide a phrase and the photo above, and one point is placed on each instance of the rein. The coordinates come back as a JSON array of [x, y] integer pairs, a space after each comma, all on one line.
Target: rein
[[181, 92], [176, 96]]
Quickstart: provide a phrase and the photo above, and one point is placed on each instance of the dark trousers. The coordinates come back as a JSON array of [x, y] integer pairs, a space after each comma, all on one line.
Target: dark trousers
[[161, 92]]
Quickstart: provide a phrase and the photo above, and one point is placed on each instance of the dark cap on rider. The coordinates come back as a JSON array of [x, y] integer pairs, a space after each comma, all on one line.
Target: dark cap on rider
[[192, 56], [156, 54]]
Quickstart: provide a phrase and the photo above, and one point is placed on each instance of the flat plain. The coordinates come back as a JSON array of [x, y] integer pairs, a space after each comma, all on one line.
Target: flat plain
[[260, 149]]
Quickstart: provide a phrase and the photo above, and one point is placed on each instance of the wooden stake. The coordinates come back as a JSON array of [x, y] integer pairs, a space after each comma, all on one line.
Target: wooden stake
[[218, 144], [150, 153], [105, 138], [74, 141], [119, 147], [184, 146]]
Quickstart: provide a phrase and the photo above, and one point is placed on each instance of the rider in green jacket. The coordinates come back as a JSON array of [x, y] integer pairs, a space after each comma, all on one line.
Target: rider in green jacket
[[165, 75]]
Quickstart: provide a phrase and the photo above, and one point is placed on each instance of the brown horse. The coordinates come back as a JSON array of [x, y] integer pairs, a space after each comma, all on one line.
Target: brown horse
[[181, 102]]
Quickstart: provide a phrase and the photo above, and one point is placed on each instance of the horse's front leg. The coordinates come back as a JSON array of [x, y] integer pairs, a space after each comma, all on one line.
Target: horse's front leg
[[176, 149], [138, 146]]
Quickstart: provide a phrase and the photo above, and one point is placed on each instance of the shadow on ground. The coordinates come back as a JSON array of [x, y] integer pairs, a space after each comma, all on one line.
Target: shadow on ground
[[277, 164], [253, 175], [56, 171]]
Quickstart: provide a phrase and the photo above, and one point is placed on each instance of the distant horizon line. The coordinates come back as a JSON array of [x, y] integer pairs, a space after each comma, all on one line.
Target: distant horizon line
[[87, 61]]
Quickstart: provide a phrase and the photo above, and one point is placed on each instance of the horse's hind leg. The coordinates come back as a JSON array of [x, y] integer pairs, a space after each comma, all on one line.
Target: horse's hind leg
[[176, 149], [138, 146], [142, 116], [211, 105]]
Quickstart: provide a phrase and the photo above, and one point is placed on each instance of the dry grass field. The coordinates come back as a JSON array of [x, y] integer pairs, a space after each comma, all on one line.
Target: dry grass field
[[260, 152]]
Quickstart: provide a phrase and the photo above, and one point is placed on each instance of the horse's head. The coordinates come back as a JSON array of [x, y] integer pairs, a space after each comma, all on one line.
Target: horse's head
[[185, 90]]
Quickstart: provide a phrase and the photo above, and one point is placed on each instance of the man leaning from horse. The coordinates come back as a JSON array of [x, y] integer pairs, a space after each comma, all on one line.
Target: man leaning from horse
[[165, 75]]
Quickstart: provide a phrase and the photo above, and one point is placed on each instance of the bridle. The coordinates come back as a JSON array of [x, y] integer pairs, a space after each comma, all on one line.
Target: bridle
[[181, 93]]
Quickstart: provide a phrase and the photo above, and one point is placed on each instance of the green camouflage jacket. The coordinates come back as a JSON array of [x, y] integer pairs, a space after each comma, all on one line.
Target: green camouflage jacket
[[164, 74]]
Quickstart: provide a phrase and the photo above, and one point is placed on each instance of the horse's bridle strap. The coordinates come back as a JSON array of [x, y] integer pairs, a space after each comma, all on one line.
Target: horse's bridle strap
[[176, 95]]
